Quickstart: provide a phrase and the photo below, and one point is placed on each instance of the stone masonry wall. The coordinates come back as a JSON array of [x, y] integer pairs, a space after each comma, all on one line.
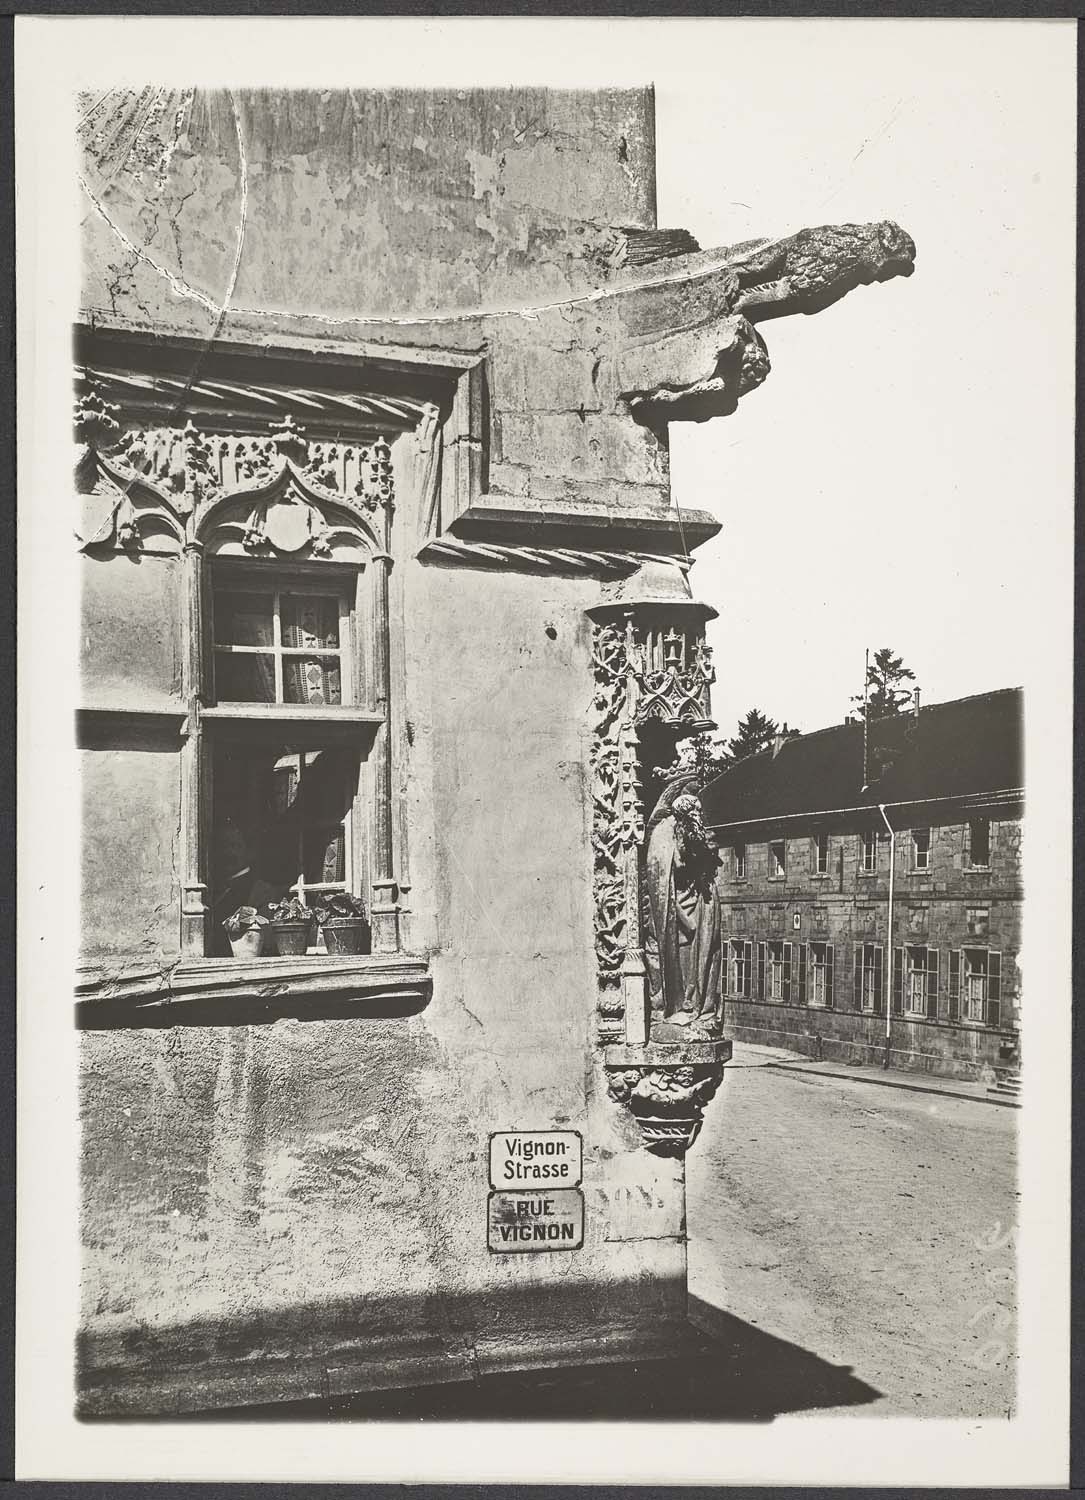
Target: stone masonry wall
[[847, 907]]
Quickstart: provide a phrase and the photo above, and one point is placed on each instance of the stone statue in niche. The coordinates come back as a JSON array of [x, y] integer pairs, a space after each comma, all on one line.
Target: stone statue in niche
[[684, 938]]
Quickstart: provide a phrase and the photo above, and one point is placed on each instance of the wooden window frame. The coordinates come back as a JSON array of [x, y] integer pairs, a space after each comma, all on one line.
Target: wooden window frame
[[925, 867]]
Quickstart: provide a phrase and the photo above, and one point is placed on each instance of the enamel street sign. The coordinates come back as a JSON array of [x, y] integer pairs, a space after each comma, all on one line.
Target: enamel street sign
[[552, 1219], [522, 1159]]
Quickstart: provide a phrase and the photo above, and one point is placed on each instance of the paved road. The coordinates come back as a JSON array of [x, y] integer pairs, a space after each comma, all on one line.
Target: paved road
[[867, 1226]]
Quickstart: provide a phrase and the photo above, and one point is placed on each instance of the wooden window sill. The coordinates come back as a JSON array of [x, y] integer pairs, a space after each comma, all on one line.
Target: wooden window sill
[[229, 991]]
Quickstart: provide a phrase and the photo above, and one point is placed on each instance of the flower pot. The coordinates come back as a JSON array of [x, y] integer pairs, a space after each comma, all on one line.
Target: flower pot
[[247, 944], [290, 938], [346, 934]]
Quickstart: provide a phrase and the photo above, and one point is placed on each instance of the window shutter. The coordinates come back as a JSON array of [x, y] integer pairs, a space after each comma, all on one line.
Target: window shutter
[[800, 998], [898, 981], [858, 976], [994, 989], [787, 971], [747, 974], [954, 984], [879, 979], [932, 983], [725, 950], [828, 976], [760, 971]]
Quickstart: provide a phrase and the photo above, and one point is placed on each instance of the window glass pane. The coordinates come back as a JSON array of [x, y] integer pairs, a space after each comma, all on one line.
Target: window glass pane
[[312, 679], [309, 620], [244, 619], [980, 841], [244, 677], [324, 856]]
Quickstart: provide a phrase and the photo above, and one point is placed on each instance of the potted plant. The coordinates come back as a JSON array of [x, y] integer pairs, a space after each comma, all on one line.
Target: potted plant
[[246, 930], [344, 925], [290, 922]]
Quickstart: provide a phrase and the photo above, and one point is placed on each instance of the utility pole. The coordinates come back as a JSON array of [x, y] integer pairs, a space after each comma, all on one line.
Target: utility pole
[[866, 680], [889, 936]]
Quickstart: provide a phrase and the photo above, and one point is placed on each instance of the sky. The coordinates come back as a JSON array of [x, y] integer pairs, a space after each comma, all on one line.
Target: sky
[[904, 476]]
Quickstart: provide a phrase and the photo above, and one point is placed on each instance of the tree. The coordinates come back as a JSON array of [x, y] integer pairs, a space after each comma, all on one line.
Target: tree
[[886, 693]]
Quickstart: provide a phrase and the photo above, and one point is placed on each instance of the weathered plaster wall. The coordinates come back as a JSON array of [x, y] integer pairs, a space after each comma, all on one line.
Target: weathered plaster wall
[[130, 648], [367, 202], [312, 1194], [367, 205], [131, 814], [298, 1208]]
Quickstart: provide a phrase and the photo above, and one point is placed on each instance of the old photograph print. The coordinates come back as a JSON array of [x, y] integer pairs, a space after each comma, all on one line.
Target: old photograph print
[[552, 818]]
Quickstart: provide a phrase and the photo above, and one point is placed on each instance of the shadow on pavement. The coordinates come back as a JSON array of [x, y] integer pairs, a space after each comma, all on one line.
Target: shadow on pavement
[[740, 1374]]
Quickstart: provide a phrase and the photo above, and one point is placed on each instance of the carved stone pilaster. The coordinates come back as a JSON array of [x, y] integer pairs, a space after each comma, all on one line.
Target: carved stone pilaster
[[666, 1087], [652, 667]]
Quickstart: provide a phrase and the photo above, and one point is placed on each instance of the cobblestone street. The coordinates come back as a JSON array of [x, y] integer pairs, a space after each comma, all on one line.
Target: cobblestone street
[[868, 1225]]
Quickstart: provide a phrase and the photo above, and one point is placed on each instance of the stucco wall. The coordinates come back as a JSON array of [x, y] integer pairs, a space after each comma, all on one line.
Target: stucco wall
[[274, 1209], [366, 201], [292, 1209]]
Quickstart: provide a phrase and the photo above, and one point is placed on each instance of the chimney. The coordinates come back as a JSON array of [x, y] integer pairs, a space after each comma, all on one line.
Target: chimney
[[916, 696], [778, 740]]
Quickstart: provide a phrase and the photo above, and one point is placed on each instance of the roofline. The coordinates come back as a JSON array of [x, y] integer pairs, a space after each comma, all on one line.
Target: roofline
[[856, 723], [1002, 794]]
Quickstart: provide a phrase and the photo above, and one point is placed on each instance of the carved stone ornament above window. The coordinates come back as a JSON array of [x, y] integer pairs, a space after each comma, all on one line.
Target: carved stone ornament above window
[[261, 495]]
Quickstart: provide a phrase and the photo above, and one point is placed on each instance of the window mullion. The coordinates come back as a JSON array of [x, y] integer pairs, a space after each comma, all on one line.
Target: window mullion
[[277, 642]]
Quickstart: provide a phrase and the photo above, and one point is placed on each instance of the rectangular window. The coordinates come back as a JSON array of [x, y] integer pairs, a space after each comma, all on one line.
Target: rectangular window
[[282, 825], [921, 981], [286, 735], [777, 859], [979, 843], [980, 972], [869, 959], [819, 976], [738, 854], [774, 973], [921, 848], [741, 967], [275, 645], [869, 863], [821, 854], [979, 921]]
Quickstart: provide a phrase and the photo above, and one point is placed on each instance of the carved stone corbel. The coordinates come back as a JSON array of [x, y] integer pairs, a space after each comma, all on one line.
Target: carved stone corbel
[[666, 1087]]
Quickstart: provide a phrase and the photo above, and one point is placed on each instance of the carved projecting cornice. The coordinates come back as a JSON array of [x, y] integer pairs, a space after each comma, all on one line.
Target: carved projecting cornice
[[521, 559]]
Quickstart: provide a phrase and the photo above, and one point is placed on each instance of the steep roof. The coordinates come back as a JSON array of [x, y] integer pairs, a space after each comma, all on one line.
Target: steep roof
[[967, 747]]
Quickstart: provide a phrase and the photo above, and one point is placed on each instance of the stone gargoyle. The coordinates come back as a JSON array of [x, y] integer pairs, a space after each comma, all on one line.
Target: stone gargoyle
[[687, 345]]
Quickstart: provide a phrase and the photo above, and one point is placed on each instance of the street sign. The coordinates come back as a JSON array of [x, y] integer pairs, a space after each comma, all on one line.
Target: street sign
[[522, 1159], [518, 1223]]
